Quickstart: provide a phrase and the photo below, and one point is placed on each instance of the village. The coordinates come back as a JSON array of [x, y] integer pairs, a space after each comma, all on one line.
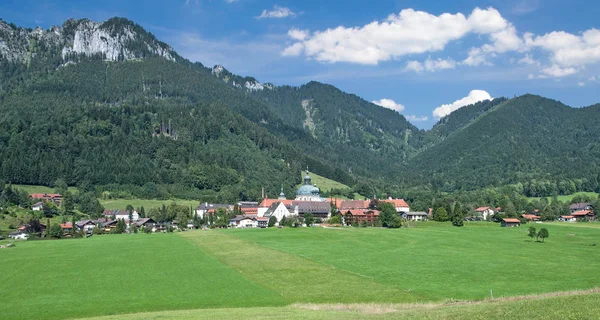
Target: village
[[308, 208]]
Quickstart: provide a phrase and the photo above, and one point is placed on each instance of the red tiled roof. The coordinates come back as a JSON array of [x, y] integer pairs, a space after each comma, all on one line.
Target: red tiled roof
[[567, 217], [249, 210], [396, 202], [45, 195], [512, 220], [353, 204], [67, 225], [358, 212], [581, 213], [336, 201], [530, 216], [268, 202], [481, 209]]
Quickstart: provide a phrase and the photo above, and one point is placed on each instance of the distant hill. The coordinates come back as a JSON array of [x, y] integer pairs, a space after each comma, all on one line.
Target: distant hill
[[462, 117]]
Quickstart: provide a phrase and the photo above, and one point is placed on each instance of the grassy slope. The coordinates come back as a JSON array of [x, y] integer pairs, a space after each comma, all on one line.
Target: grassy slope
[[120, 204], [441, 262], [568, 307], [569, 197], [40, 189], [117, 274], [326, 184]]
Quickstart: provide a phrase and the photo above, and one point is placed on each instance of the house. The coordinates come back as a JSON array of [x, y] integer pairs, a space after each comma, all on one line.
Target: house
[[262, 222], [414, 216], [109, 225], [511, 222], [124, 215], [18, 235], [248, 207], [582, 206], [47, 197], [277, 210], [86, 225], [267, 203], [38, 206], [531, 217], [145, 222], [399, 204], [67, 228], [584, 214], [567, 219], [360, 216], [485, 212], [206, 207], [346, 205], [319, 209], [244, 222]]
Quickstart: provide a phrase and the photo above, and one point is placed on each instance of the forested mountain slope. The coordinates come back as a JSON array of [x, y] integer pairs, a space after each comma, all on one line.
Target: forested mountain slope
[[538, 142], [462, 117]]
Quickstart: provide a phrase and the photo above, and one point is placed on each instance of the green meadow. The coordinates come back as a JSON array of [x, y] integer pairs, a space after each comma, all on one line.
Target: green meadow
[[121, 204], [429, 271]]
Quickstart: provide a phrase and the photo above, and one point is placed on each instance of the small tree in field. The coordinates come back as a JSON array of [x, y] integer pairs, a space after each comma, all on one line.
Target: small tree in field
[[441, 214], [272, 221], [283, 221], [532, 233], [543, 234], [55, 231]]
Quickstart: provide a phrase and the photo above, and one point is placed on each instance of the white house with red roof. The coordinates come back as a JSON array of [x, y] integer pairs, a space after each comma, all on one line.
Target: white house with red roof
[[399, 204], [485, 212], [567, 219], [584, 214]]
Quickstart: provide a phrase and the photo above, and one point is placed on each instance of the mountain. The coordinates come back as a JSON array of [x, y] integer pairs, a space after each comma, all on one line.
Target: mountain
[[462, 117], [536, 142], [108, 107]]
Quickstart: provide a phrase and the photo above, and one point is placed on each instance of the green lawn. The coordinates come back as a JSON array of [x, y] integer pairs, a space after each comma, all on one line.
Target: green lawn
[[569, 197], [120, 204], [40, 189], [310, 273], [114, 274]]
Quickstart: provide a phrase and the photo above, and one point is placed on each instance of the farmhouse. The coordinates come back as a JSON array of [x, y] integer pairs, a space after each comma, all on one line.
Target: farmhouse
[[414, 216], [37, 206], [399, 204], [511, 222], [567, 219], [584, 214], [318, 209], [67, 228], [278, 210], [124, 215], [262, 222], [206, 207], [581, 206], [346, 205], [18, 235], [145, 222], [243, 222], [86, 225], [360, 216], [47, 197], [531, 217], [485, 212]]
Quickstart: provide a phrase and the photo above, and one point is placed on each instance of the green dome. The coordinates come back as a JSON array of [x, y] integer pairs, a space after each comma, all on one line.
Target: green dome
[[308, 190]]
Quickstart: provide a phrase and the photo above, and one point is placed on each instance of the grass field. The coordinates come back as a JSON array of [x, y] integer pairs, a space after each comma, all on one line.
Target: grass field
[[40, 189], [120, 204], [569, 197], [310, 273]]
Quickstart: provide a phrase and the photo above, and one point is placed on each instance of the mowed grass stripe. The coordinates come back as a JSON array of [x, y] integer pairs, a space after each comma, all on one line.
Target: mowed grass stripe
[[578, 306], [117, 274], [295, 277], [438, 261]]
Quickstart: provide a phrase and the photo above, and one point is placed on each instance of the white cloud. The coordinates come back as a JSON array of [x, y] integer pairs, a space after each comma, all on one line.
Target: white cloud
[[298, 34], [390, 104], [409, 32], [581, 83], [231, 1], [277, 12], [527, 59], [558, 72], [473, 97], [430, 65], [416, 118]]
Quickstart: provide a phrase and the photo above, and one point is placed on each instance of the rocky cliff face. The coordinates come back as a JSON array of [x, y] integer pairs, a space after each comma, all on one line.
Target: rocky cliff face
[[116, 39]]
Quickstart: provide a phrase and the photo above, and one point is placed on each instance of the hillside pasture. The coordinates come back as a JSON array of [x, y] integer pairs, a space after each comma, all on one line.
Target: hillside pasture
[[121, 204], [567, 198]]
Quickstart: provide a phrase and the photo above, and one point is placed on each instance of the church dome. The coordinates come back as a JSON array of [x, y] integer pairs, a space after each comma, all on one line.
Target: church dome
[[307, 190]]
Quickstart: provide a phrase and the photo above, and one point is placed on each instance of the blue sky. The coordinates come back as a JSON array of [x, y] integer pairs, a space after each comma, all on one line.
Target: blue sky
[[423, 58]]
